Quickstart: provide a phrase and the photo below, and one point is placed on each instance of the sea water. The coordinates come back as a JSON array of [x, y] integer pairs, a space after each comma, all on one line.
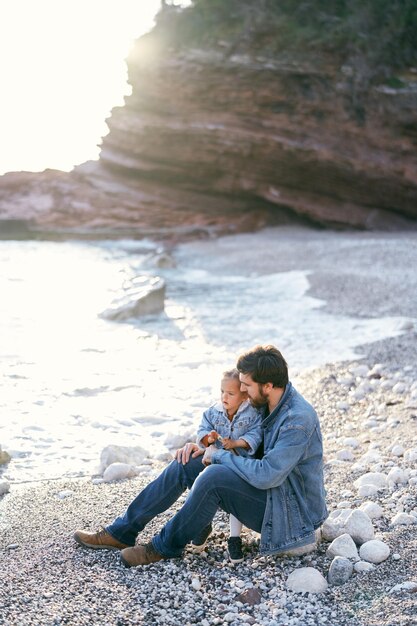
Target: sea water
[[73, 382]]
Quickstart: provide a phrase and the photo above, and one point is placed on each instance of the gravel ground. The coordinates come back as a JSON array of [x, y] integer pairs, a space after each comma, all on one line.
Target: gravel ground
[[46, 579]]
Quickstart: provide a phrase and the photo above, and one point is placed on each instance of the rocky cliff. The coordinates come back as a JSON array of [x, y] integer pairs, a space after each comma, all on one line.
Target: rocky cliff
[[213, 142]]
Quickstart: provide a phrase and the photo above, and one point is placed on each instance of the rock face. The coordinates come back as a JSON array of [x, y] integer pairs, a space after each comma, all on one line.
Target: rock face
[[211, 143]]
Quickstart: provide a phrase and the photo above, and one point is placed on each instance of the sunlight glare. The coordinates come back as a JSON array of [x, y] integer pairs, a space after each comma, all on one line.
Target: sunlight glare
[[62, 70]]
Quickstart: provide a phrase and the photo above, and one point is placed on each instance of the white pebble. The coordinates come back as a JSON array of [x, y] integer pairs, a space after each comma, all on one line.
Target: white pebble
[[345, 455], [343, 406], [371, 478], [65, 494], [374, 551], [351, 442], [411, 455], [307, 579], [196, 584], [409, 585], [396, 476], [372, 509], [363, 566], [398, 450], [343, 546], [403, 519], [367, 490], [119, 471]]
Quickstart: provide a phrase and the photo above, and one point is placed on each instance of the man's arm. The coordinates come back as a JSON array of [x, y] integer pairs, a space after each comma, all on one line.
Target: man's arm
[[274, 467]]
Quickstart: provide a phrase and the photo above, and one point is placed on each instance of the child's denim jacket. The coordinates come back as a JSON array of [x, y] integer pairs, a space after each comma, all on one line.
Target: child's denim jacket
[[246, 424], [291, 472]]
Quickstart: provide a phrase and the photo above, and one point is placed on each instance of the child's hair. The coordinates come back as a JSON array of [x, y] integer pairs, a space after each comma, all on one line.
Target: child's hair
[[233, 374]]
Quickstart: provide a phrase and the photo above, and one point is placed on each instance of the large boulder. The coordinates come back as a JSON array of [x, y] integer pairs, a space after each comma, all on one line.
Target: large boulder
[[134, 455], [146, 296]]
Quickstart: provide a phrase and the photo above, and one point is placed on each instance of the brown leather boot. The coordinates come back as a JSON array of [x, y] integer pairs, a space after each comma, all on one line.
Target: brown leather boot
[[140, 555], [100, 540]]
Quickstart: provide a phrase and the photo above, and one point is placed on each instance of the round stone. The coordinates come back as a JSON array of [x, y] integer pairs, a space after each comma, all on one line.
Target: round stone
[[340, 571], [307, 580], [374, 551]]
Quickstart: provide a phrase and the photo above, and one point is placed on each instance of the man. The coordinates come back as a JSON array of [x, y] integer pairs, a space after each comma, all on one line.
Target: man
[[280, 495]]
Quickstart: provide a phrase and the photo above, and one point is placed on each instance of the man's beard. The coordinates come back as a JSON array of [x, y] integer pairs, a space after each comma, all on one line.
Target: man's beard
[[260, 401]]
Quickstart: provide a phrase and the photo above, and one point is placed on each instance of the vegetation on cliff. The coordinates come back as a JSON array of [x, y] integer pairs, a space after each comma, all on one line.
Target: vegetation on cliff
[[376, 37]]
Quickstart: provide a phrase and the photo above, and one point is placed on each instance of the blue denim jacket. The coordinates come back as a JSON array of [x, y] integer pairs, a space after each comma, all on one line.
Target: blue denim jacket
[[246, 424], [291, 471]]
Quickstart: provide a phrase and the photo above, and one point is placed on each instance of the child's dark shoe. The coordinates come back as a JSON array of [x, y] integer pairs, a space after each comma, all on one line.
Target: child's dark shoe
[[234, 545]]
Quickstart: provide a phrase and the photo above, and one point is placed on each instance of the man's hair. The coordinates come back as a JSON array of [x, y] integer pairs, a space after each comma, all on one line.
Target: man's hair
[[264, 364], [233, 373]]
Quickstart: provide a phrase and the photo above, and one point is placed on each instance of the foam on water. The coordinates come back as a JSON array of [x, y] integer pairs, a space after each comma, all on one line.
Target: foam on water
[[72, 383]]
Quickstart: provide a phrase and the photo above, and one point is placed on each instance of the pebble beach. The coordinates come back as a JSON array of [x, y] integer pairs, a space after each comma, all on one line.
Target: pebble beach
[[368, 412]]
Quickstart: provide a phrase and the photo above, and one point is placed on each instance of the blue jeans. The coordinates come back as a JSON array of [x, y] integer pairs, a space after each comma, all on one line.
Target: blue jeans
[[215, 487]]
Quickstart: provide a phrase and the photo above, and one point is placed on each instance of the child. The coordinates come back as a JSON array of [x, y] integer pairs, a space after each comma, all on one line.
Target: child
[[236, 426]]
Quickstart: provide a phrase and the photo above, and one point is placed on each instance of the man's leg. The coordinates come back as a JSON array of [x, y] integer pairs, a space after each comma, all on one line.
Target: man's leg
[[157, 497], [217, 487]]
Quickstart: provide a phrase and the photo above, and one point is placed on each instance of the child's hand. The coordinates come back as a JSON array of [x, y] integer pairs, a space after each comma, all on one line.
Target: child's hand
[[228, 444], [212, 437]]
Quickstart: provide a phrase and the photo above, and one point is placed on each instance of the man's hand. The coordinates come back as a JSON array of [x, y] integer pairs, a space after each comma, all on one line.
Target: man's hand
[[206, 460], [183, 454]]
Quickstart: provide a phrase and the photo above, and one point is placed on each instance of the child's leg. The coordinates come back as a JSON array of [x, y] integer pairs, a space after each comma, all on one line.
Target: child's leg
[[235, 526]]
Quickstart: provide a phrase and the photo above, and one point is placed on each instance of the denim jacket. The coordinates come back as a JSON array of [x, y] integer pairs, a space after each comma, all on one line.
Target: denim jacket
[[291, 471], [246, 424]]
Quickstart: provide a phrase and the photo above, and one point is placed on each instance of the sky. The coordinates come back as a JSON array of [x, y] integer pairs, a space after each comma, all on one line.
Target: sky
[[62, 70]]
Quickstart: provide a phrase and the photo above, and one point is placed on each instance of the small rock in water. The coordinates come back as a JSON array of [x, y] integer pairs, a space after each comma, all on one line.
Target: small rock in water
[[4, 487], [4, 457], [307, 580], [178, 440], [340, 571], [374, 551]]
